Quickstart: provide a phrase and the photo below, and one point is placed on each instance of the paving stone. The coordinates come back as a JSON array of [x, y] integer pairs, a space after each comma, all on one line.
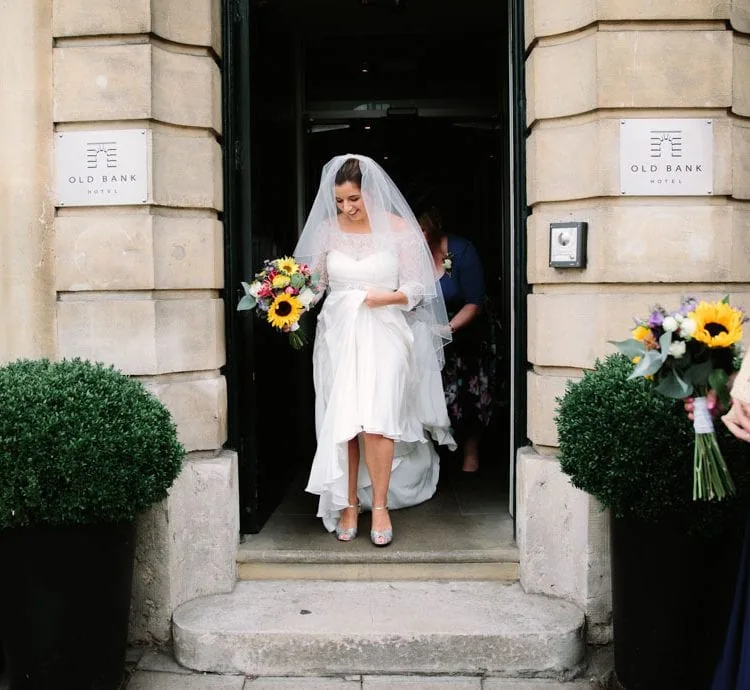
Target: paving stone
[[134, 654], [536, 684], [421, 683], [151, 680], [350, 683], [162, 662]]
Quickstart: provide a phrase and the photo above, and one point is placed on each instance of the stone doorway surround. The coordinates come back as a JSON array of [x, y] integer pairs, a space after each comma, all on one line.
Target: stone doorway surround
[[140, 287]]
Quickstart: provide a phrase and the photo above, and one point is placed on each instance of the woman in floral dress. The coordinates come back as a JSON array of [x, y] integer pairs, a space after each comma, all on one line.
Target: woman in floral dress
[[469, 373]]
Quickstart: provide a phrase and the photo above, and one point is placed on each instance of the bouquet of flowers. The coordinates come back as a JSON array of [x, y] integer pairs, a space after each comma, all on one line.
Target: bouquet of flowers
[[281, 293], [690, 352]]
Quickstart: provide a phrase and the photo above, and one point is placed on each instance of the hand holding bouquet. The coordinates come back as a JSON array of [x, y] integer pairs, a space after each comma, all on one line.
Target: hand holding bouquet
[[689, 352], [281, 293]]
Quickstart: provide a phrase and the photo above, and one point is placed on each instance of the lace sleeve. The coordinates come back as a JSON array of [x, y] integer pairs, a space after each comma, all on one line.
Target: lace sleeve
[[410, 275], [321, 270]]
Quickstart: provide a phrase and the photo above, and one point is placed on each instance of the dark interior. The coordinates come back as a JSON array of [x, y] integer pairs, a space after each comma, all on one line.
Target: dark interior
[[420, 88]]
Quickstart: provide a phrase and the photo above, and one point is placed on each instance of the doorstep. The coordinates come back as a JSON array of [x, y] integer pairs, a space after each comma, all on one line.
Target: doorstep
[[438, 540], [310, 628]]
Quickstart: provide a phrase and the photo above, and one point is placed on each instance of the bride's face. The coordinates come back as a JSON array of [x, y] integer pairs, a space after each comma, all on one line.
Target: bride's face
[[350, 203]]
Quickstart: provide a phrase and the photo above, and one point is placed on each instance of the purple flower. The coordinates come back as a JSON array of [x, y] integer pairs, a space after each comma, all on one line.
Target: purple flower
[[688, 305], [656, 319]]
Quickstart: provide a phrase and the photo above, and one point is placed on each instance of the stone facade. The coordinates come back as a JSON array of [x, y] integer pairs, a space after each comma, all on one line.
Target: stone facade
[[27, 212], [591, 63], [139, 287]]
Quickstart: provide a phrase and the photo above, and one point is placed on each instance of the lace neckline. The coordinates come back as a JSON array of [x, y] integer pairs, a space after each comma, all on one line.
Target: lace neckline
[[338, 228]]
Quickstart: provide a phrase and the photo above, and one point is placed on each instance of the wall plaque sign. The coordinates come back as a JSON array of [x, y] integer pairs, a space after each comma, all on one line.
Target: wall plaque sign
[[102, 168], [660, 157]]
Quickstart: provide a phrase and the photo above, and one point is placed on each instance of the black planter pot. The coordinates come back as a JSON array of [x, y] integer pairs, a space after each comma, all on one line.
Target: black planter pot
[[64, 605], [671, 598]]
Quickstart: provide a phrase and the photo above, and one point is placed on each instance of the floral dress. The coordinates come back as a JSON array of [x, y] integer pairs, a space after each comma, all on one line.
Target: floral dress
[[470, 365]]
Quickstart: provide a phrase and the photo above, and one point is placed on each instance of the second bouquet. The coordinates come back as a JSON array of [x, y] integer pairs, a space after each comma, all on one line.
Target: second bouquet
[[690, 352]]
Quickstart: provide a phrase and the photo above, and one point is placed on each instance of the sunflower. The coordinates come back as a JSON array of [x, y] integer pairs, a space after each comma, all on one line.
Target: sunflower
[[285, 310], [288, 265], [717, 324], [280, 281]]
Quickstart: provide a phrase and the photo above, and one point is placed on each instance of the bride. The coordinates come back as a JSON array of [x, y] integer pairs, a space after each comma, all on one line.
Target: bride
[[378, 350]]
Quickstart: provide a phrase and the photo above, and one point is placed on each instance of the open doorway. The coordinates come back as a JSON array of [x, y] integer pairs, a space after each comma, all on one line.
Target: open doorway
[[423, 91]]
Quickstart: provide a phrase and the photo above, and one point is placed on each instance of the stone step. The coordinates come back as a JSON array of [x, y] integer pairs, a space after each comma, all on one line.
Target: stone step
[[371, 572], [360, 561], [362, 551], [298, 628]]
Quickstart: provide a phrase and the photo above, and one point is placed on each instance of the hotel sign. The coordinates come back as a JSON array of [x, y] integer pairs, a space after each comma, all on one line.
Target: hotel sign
[[102, 168], [666, 157]]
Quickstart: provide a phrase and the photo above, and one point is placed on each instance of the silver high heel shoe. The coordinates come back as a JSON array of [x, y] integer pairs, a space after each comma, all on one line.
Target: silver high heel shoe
[[382, 537], [351, 532]]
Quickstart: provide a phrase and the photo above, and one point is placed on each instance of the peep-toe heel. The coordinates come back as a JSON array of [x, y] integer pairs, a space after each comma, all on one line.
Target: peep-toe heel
[[350, 532], [381, 537]]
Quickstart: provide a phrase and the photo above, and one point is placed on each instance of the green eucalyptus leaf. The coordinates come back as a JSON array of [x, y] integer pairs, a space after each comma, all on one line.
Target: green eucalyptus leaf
[[673, 386], [247, 302], [718, 381], [631, 347], [698, 374], [664, 342], [651, 362]]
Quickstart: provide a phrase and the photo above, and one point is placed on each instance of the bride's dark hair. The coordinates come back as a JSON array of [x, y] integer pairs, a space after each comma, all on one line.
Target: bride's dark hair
[[349, 172]]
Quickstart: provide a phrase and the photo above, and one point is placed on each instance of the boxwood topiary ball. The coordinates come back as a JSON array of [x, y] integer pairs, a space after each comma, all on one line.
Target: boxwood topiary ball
[[80, 443]]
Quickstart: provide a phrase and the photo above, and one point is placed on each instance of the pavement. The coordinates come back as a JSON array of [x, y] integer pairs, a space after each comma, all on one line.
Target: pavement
[[154, 670]]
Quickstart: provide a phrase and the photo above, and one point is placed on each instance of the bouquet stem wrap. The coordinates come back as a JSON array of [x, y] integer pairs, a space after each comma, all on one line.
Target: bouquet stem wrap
[[711, 478]]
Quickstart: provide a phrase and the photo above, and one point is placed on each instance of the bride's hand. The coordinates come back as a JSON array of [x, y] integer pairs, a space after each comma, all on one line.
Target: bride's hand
[[379, 298]]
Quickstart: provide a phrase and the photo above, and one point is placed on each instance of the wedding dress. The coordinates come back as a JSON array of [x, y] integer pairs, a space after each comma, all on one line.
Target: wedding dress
[[375, 369], [365, 376]]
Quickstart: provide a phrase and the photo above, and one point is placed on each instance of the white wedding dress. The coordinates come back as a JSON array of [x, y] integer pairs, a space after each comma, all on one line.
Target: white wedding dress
[[366, 378]]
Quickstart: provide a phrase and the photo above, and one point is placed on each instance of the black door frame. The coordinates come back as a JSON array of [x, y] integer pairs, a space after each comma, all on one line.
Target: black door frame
[[519, 214], [236, 100], [236, 151]]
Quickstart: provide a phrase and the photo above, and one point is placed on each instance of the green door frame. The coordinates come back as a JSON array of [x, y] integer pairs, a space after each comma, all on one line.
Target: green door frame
[[236, 56]]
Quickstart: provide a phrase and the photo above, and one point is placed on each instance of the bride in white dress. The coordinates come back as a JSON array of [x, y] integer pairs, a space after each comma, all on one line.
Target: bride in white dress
[[378, 350]]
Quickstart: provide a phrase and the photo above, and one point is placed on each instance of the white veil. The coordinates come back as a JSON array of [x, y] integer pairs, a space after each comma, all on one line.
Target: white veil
[[389, 215]]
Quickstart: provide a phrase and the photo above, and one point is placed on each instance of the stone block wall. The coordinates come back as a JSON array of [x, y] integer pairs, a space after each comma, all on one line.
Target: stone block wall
[[591, 63], [139, 287], [27, 297]]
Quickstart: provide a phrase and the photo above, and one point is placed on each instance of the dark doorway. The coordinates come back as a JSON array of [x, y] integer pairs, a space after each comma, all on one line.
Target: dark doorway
[[423, 90]]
